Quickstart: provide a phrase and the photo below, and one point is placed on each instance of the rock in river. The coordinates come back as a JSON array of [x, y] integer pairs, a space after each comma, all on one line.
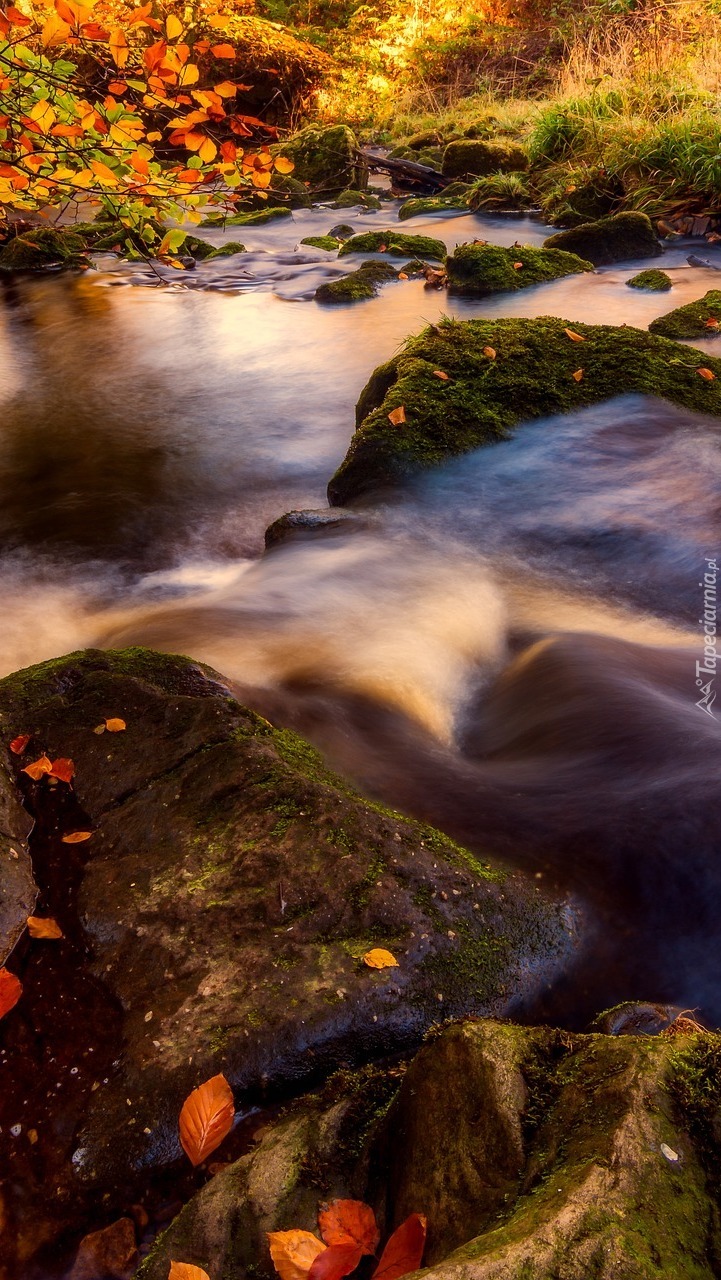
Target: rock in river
[[616, 238]]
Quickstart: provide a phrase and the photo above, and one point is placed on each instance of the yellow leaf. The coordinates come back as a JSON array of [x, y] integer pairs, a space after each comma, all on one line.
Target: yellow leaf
[[102, 170], [578, 375], [118, 47], [575, 337], [706, 374], [115, 725], [43, 927], [55, 31], [173, 27], [283, 165], [261, 178], [380, 959], [225, 89], [189, 74], [43, 114], [397, 416], [207, 150], [186, 1271], [490, 352], [294, 1252]]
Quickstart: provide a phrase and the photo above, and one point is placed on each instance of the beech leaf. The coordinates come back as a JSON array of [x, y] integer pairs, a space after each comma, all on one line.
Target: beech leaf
[[206, 1118], [335, 1262], [18, 745], [578, 375], [438, 373], [38, 768], [11, 989], [62, 769], [283, 164], [378, 958], [517, 266], [711, 323], [706, 374], [186, 1271], [490, 352], [294, 1252], [349, 1222], [115, 725], [44, 927], [404, 1250], [575, 337], [397, 416], [76, 837]]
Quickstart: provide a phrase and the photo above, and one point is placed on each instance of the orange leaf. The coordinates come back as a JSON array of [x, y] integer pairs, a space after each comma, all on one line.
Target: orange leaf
[[380, 959], [294, 1252], [206, 1118], [18, 745], [222, 51], [575, 337], [118, 47], [186, 1271], [207, 150], [578, 375], [438, 373], [229, 151], [173, 26], [76, 837], [62, 769], [38, 768], [711, 323], [404, 1250], [397, 416], [11, 989], [517, 266], [706, 374], [349, 1222], [490, 352], [337, 1261], [115, 725], [44, 927], [283, 165]]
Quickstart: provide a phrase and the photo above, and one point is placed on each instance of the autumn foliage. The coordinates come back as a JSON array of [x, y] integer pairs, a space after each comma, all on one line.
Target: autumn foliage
[[349, 1232]]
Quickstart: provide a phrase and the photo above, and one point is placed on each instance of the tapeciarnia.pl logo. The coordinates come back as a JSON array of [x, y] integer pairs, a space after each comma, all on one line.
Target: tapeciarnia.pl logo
[[706, 670]]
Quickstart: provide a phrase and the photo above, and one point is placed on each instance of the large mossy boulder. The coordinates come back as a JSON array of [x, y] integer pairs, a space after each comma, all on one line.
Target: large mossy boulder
[[397, 244], [695, 320], [477, 270], [501, 373], [326, 158], [533, 1153], [474, 158], [617, 238], [39, 248], [215, 921]]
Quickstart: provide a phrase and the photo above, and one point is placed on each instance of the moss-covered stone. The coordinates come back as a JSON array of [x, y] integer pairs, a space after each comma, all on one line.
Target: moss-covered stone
[[476, 270], [571, 197], [616, 238], [357, 286], [476, 157], [397, 244], [692, 320], [653, 280], [323, 242], [327, 158], [227, 250], [352, 199], [430, 204], [43, 247], [255, 218], [485, 397]]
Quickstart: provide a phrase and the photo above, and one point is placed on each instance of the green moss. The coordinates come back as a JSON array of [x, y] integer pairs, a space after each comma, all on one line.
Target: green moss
[[616, 238], [654, 280], [42, 247], [414, 207], [696, 1088], [691, 321], [351, 199], [360, 284], [323, 242], [477, 270], [326, 158], [396, 244], [227, 250], [485, 398], [256, 218], [476, 157]]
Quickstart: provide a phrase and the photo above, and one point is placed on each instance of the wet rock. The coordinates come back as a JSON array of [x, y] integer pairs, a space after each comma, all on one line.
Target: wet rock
[[475, 157], [619, 237], [634, 1018], [222, 908], [326, 158], [532, 1152], [18, 892], [694, 320], [397, 244], [301, 523], [110, 1254], [417, 205], [41, 247], [653, 280], [342, 231], [357, 286], [477, 270], [529, 373]]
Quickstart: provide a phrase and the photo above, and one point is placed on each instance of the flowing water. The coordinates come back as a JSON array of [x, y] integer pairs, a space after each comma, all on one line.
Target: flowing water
[[508, 648]]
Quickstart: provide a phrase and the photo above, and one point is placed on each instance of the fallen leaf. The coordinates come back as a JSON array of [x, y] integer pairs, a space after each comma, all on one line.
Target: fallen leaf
[[578, 375], [76, 837], [335, 1262], [490, 352], [706, 374], [438, 373], [44, 927], [115, 725], [517, 266], [397, 416], [62, 769], [377, 958], [206, 1118], [711, 323], [186, 1271], [99, 728], [350, 1221], [402, 275], [575, 337], [18, 745], [294, 1252], [11, 989], [404, 1250], [38, 768]]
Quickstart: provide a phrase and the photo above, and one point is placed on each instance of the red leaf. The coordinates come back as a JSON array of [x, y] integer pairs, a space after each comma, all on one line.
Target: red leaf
[[10, 991], [62, 769], [404, 1250], [18, 745], [349, 1222], [335, 1262]]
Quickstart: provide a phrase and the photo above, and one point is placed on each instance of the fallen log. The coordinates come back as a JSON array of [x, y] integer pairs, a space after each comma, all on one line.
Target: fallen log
[[408, 174]]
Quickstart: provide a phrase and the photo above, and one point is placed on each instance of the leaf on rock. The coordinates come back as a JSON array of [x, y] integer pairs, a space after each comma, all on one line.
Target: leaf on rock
[[575, 337], [44, 927], [438, 373], [294, 1252], [206, 1118], [38, 768], [404, 1250], [62, 769], [377, 958], [706, 374], [18, 745], [186, 1271], [11, 989], [490, 352], [578, 375], [517, 266], [76, 837], [115, 725], [350, 1221], [711, 323], [337, 1261], [397, 416]]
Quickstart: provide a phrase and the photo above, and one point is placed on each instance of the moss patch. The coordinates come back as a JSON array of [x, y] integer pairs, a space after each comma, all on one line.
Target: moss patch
[[323, 242], [227, 250], [256, 218], [414, 207], [477, 270], [351, 199], [485, 398], [43, 247], [475, 157], [325, 158], [397, 244], [692, 320], [653, 280], [616, 238], [357, 286]]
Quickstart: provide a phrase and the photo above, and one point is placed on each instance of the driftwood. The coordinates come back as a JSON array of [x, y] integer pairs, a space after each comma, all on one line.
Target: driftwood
[[695, 261], [407, 173]]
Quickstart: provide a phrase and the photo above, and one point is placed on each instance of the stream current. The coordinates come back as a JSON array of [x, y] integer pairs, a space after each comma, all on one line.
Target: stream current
[[507, 648]]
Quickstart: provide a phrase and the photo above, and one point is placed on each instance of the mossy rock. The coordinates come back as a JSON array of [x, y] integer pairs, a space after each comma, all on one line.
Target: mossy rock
[[357, 286], [417, 205], [227, 250], [323, 242], [43, 247], [477, 270], [691, 321], [327, 158], [254, 218], [476, 157], [485, 398], [352, 199], [575, 197], [397, 244], [654, 281], [427, 138], [199, 249], [619, 237]]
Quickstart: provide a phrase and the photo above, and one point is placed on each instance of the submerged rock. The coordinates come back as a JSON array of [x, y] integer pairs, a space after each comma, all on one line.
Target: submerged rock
[[654, 280], [397, 244], [216, 921], [360, 284], [501, 373], [342, 231], [301, 523], [475, 157], [695, 320], [477, 270], [326, 158], [616, 238], [532, 1152]]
